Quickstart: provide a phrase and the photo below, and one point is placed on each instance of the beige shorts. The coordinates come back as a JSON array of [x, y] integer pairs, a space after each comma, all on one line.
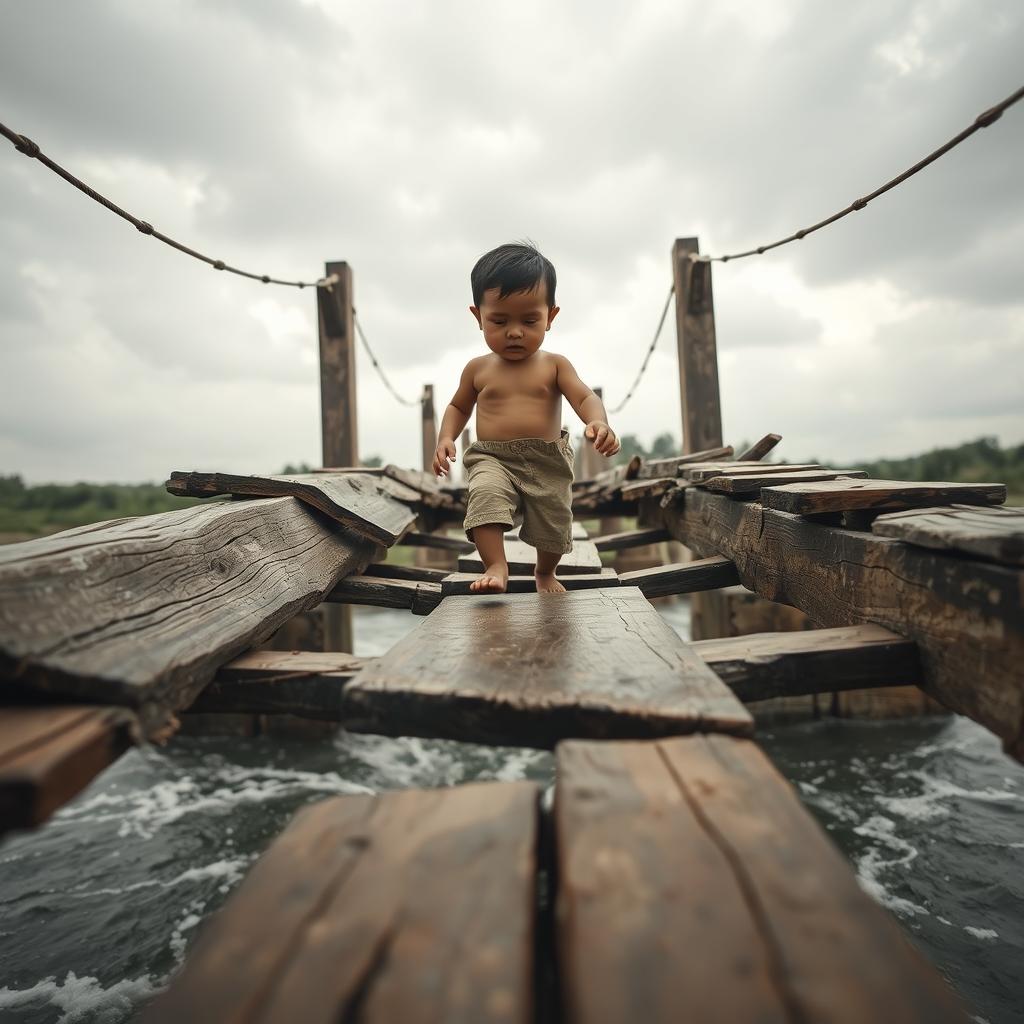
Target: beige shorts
[[527, 481]]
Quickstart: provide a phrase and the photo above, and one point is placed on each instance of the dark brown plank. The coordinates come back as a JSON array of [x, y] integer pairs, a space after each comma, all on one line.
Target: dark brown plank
[[682, 577], [522, 559], [354, 501], [437, 540], [419, 597], [142, 612], [671, 467], [764, 665], [753, 483], [630, 539], [532, 669], [394, 571], [50, 753], [878, 495], [992, 533], [457, 584], [759, 449], [647, 488], [412, 906]]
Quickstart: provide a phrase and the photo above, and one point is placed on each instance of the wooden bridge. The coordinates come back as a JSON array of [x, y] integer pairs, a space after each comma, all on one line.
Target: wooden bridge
[[674, 873]]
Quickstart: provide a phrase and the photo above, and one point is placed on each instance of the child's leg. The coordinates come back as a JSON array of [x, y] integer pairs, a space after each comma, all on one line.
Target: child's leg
[[490, 543], [547, 561]]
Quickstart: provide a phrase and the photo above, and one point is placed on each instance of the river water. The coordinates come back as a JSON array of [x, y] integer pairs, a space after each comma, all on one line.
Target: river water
[[98, 907]]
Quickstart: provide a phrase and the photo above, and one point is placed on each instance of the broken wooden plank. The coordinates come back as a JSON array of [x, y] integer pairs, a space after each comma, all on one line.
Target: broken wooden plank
[[522, 559], [142, 612], [414, 906], [49, 753], [995, 533], [351, 499], [878, 495], [965, 616], [759, 449], [457, 584], [682, 577], [441, 541], [670, 467], [697, 843], [532, 669], [743, 484], [759, 666], [630, 539], [419, 597]]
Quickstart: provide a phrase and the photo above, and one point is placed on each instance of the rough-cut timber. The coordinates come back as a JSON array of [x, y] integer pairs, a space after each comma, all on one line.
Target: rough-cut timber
[[630, 539], [877, 495], [707, 471], [759, 449], [419, 597], [743, 483], [50, 753], [309, 684], [411, 906], [692, 885], [458, 583], [760, 666], [395, 571], [966, 616], [522, 559], [682, 577], [532, 669], [142, 612], [996, 533], [354, 501], [437, 540], [671, 467], [645, 488]]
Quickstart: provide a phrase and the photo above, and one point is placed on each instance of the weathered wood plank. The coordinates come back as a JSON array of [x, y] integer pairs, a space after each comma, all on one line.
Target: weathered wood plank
[[992, 533], [419, 597], [759, 449], [142, 612], [412, 906], [697, 843], [50, 753], [682, 577], [707, 471], [630, 539], [878, 495], [522, 559], [647, 488], [670, 467], [353, 500], [764, 665], [457, 584], [532, 669], [751, 484], [437, 540], [394, 571], [966, 617]]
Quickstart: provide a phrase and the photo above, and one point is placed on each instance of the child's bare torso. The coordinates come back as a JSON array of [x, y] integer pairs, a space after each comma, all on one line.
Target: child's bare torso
[[517, 399]]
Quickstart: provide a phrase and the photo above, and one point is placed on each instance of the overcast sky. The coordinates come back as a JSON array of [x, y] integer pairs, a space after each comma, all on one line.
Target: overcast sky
[[409, 138]]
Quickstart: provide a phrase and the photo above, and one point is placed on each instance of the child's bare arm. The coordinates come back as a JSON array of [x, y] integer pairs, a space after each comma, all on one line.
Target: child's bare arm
[[453, 422], [588, 407]]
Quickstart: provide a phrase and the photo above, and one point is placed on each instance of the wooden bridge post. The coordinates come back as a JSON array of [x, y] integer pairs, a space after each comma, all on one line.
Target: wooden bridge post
[[698, 355], [429, 427]]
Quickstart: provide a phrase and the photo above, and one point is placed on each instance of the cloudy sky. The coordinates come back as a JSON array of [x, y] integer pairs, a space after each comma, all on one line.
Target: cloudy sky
[[410, 138]]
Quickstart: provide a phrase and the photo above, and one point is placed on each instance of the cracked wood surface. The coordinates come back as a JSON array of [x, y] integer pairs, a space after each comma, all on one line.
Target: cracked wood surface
[[358, 501], [992, 533], [532, 669], [141, 612], [692, 882], [966, 617], [411, 906], [522, 558], [876, 495]]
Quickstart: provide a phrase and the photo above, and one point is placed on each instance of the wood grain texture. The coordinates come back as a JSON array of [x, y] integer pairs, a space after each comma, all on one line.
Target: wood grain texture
[[708, 470], [630, 539], [336, 329], [50, 753], [419, 597], [682, 577], [355, 501], [691, 876], [671, 467], [992, 533], [437, 540], [142, 612], [647, 488], [760, 666], [759, 449], [966, 617], [522, 559], [750, 484], [457, 584], [532, 669], [879, 495], [413, 906]]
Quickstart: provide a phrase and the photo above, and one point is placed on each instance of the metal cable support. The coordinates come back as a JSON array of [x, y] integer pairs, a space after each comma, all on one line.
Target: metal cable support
[[983, 120], [647, 357], [377, 366], [25, 145]]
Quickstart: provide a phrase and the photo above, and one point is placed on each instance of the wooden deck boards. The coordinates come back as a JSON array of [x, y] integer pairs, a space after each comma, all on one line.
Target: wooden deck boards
[[996, 534], [532, 669], [522, 559], [876, 495], [682, 577]]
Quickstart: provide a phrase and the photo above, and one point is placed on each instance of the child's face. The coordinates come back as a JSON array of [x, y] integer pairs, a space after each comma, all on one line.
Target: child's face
[[514, 326]]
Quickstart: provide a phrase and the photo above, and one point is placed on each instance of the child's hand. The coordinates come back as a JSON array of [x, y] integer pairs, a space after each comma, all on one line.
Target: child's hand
[[443, 457], [603, 437]]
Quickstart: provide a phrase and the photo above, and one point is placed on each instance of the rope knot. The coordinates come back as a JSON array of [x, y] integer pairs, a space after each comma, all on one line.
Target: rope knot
[[859, 204], [27, 146], [800, 233], [760, 250], [218, 264], [265, 279], [145, 227], [986, 117]]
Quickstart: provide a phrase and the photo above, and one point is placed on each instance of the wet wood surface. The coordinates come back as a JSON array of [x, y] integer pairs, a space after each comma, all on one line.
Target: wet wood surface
[[532, 669], [142, 612], [410, 906], [522, 559], [877, 495], [992, 533], [682, 577], [351, 499], [693, 885], [760, 666]]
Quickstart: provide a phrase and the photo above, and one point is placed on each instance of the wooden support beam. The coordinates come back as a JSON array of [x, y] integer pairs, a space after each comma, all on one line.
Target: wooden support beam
[[437, 540], [630, 539], [429, 427], [682, 577], [760, 449], [338, 369], [966, 617], [414, 906], [698, 355], [457, 584], [420, 598], [877, 495], [759, 666]]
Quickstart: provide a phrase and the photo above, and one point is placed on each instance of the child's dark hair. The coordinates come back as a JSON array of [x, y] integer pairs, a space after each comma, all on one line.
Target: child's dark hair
[[514, 267]]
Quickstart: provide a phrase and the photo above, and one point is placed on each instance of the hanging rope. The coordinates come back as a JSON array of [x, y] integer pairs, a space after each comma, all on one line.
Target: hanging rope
[[378, 367], [647, 357]]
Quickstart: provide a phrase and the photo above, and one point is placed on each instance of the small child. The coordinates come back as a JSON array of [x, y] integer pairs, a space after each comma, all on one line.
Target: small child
[[520, 466]]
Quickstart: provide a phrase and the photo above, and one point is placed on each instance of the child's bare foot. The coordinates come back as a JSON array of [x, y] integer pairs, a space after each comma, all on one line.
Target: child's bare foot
[[493, 580], [547, 584]]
